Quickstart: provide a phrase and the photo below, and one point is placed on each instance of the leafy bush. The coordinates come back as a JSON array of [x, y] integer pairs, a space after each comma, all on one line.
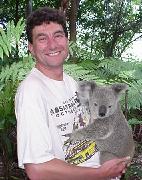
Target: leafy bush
[[9, 80]]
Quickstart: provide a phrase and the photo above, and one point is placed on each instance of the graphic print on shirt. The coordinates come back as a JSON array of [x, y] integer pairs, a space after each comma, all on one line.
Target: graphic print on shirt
[[68, 107], [80, 151]]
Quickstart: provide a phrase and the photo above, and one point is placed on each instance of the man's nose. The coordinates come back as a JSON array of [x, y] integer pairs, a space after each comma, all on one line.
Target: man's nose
[[52, 44]]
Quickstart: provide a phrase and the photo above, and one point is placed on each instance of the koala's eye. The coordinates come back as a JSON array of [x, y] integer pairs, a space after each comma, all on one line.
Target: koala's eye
[[95, 104], [110, 106]]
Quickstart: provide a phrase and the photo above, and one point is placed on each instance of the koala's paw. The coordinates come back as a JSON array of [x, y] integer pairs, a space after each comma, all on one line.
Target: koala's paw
[[76, 136], [71, 139]]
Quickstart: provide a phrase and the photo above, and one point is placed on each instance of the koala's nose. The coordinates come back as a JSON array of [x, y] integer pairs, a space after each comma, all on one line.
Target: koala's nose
[[102, 111]]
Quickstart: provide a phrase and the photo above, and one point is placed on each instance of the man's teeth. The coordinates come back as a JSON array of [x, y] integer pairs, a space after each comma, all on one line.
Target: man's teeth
[[53, 54]]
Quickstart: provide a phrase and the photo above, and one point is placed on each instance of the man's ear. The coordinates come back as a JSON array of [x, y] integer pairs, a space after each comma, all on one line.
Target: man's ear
[[30, 48]]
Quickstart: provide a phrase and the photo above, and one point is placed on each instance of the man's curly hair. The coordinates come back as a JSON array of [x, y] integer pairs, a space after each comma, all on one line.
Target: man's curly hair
[[45, 15]]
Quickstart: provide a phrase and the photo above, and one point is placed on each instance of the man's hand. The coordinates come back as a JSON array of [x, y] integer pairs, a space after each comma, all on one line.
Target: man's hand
[[114, 168]]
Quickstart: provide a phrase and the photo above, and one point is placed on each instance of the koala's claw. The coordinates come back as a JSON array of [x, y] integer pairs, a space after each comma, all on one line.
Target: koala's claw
[[70, 139]]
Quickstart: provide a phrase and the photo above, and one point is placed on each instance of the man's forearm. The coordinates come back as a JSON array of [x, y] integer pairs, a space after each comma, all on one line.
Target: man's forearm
[[59, 170]]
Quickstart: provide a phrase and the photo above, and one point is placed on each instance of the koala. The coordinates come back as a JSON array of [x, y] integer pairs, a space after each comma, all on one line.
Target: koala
[[108, 126]]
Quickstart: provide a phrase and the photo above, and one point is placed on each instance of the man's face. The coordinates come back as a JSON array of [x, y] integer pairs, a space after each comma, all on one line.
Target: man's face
[[50, 46]]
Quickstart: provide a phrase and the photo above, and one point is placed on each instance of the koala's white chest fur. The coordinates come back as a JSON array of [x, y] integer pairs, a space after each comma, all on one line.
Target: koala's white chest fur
[[108, 134]]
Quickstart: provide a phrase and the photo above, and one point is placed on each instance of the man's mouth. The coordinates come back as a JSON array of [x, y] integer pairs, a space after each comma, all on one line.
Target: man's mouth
[[53, 53]]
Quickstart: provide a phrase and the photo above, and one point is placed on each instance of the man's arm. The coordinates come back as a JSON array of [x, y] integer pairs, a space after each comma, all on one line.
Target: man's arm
[[59, 170]]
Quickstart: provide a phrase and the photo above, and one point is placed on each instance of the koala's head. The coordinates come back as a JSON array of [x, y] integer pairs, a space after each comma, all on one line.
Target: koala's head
[[102, 100]]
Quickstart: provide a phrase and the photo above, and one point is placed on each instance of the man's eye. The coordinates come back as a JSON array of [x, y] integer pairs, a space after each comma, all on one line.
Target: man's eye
[[59, 36], [95, 104], [42, 38]]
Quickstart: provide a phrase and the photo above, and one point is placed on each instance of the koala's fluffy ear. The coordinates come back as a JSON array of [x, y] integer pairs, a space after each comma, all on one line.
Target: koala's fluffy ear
[[119, 88], [85, 89]]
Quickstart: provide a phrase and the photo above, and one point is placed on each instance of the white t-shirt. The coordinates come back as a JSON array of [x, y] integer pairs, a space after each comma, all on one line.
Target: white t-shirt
[[47, 111]]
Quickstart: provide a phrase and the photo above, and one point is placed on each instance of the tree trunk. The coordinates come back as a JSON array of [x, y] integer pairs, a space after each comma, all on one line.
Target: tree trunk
[[74, 4], [16, 21], [72, 20], [28, 7], [16, 11]]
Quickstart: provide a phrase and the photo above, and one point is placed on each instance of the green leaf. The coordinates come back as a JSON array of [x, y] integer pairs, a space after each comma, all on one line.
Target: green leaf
[[19, 29], [9, 36], [1, 53], [5, 42], [2, 122], [134, 121]]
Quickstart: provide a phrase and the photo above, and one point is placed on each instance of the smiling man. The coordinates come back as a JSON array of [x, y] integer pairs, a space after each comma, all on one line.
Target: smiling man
[[50, 48], [47, 110]]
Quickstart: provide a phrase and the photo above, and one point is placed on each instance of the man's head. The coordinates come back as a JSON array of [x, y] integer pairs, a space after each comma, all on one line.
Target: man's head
[[47, 37], [45, 15]]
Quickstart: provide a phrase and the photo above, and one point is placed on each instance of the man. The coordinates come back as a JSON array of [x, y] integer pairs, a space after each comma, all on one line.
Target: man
[[47, 110]]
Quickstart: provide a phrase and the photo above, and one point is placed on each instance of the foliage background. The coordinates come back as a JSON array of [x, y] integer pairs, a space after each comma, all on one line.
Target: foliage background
[[99, 32]]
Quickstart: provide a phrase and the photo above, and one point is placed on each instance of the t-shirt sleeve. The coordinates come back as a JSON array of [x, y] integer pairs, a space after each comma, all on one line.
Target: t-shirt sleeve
[[34, 141]]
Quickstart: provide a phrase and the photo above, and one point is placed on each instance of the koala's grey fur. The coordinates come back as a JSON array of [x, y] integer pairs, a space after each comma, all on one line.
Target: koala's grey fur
[[108, 126]]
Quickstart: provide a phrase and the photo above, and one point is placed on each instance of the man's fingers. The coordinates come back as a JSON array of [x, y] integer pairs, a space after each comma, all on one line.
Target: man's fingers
[[125, 160], [124, 170]]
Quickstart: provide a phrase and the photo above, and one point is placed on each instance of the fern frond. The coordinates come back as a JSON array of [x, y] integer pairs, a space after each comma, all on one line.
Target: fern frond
[[10, 37], [115, 66], [134, 121], [19, 29], [17, 71], [1, 52], [135, 95], [76, 71]]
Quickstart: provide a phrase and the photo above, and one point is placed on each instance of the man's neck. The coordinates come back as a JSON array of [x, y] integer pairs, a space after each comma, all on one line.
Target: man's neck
[[52, 73]]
